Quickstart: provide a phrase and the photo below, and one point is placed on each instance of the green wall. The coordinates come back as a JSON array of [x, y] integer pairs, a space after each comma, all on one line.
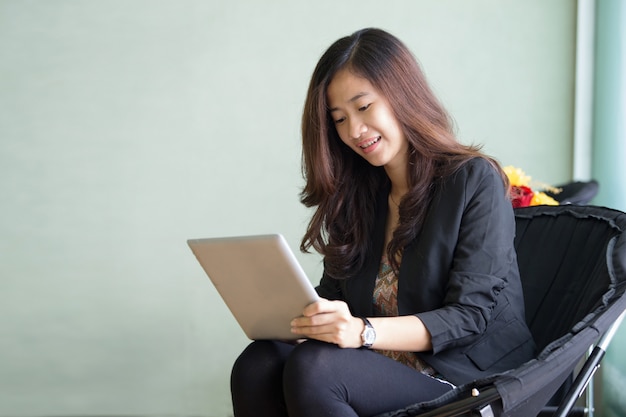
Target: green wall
[[609, 127], [127, 127], [609, 149]]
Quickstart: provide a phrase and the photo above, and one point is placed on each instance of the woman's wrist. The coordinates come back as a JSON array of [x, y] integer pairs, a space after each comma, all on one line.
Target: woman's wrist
[[368, 335]]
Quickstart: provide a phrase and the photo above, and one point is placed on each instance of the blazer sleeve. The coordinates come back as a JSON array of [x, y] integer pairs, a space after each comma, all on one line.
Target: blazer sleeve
[[329, 288], [482, 256]]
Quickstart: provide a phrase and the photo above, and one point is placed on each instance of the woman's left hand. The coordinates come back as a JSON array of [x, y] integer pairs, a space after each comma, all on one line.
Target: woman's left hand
[[329, 321]]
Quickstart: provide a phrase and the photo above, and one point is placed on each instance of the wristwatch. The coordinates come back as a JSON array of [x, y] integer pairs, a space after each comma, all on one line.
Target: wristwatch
[[369, 334]]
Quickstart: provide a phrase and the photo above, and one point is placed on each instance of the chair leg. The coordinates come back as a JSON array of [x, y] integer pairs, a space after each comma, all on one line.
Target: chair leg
[[589, 368]]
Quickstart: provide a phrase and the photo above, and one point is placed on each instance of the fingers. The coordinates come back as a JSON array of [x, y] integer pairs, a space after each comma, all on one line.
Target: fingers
[[322, 312], [325, 306], [329, 321]]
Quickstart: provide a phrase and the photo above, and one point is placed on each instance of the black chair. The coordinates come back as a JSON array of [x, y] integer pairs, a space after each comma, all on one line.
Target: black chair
[[573, 266], [576, 192]]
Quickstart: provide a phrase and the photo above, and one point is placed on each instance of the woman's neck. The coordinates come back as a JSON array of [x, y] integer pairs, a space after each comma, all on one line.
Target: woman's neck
[[399, 182]]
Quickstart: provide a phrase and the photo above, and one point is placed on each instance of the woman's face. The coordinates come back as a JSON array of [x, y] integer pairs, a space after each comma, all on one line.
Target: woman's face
[[365, 121]]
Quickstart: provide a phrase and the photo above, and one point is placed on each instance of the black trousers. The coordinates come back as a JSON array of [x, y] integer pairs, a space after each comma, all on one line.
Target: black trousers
[[318, 379]]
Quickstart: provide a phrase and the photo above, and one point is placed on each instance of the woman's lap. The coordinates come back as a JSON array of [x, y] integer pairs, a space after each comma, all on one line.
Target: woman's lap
[[323, 379]]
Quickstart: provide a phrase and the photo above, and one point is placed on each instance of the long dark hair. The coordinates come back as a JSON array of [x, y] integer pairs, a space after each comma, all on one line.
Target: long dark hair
[[342, 185]]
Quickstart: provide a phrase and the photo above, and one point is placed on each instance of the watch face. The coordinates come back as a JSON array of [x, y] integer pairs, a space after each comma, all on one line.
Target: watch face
[[369, 334]]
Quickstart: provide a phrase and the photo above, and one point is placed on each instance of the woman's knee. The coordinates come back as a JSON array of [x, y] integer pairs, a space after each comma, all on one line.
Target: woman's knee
[[260, 359], [313, 380], [252, 353], [256, 379], [311, 362]]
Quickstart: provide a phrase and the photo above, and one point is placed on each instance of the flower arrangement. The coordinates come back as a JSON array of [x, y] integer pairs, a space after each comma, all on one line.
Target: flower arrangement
[[522, 195]]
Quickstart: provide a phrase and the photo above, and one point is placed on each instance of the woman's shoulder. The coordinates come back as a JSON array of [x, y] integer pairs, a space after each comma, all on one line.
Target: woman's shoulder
[[478, 169], [473, 177], [481, 164]]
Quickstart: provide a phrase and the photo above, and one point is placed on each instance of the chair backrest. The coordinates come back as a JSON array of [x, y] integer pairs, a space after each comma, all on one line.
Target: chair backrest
[[572, 262], [571, 259], [576, 192]]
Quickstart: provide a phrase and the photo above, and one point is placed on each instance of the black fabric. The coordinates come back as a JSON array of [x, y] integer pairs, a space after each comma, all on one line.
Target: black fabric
[[457, 394], [576, 192], [564, 281], [573, 269], [316, 379], [460, 269]]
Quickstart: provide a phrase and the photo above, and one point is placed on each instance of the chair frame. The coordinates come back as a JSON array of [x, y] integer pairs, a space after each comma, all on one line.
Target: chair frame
[[491, 397], [480, 404]]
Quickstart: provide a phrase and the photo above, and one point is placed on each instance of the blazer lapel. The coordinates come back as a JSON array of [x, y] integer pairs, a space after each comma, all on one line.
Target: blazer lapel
[[359, 290]]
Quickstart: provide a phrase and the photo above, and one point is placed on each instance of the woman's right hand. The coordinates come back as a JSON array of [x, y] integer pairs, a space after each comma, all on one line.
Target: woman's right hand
[[329, 321]]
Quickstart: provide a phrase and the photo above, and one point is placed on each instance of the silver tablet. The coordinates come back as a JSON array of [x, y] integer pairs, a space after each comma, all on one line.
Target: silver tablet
[[259, 279]]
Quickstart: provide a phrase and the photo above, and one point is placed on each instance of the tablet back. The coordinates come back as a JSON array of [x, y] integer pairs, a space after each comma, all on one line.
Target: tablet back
[[259, 279]]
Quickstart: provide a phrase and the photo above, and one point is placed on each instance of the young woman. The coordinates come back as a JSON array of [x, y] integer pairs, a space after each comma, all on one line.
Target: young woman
[[421, 289]]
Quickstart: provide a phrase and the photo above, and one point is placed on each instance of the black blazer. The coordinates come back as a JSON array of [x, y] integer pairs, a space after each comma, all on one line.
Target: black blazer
[[459, 276]]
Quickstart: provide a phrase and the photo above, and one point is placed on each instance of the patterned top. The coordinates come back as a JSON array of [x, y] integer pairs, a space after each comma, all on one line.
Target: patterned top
[[386, 304]]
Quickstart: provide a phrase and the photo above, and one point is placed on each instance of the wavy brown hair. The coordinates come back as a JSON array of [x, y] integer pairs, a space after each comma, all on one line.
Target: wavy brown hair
[[343, 186]]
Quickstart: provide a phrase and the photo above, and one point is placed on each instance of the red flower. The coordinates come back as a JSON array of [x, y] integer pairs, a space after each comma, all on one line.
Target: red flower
[[521, 195]]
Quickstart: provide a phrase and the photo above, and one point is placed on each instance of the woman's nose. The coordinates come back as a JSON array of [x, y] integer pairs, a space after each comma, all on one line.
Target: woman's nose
[[357, 128]]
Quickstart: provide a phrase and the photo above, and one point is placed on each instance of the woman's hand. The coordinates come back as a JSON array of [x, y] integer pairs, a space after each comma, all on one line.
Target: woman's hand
[[329, 321]]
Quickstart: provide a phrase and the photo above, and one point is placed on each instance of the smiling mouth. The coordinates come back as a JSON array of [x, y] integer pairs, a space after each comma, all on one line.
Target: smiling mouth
[[370, 143]]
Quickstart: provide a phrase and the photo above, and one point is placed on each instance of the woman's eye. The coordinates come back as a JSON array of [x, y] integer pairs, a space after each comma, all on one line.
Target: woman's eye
[[363, 108], [339, 121]]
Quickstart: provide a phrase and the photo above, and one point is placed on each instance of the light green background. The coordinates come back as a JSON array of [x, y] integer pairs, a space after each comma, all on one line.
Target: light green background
[[127, 127]]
